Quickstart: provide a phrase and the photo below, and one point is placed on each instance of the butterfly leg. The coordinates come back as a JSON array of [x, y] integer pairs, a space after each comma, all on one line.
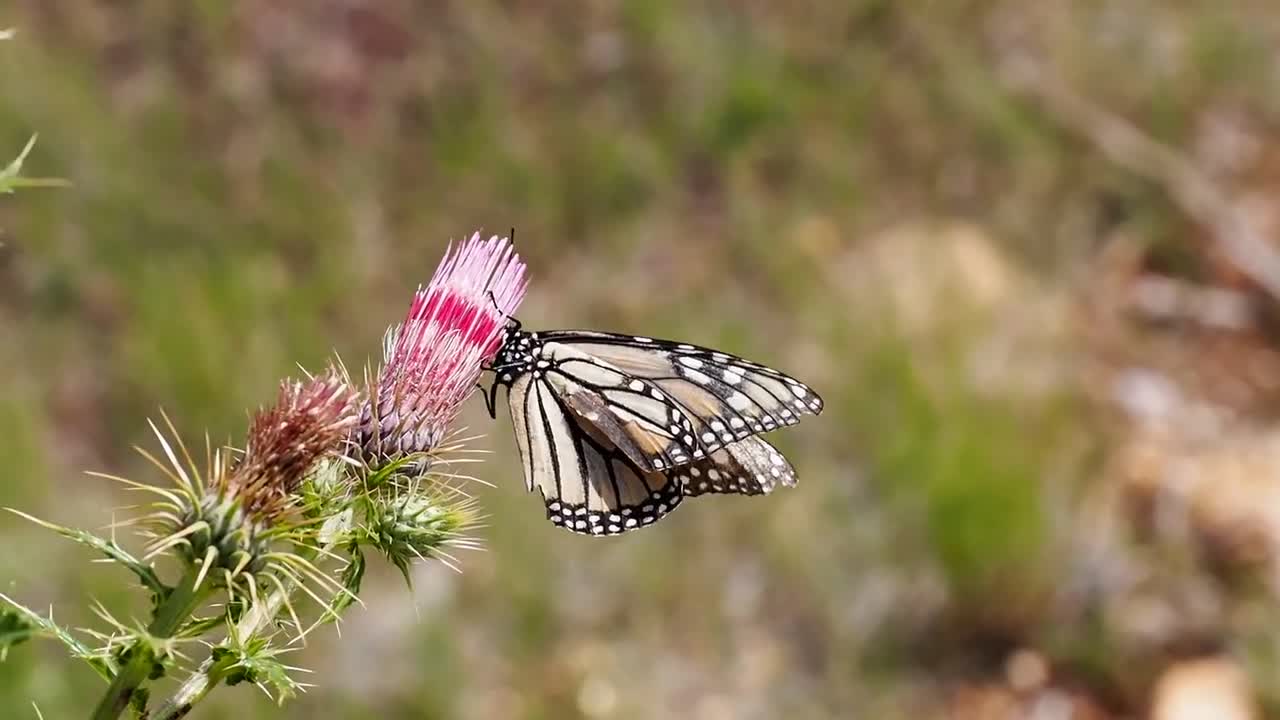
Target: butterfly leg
[[490, 399]]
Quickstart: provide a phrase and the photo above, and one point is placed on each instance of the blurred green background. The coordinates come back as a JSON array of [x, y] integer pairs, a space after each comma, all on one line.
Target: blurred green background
[[1027, 339]]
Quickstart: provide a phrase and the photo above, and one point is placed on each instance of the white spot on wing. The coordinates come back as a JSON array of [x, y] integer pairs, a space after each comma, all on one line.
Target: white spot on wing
[[698, 377]]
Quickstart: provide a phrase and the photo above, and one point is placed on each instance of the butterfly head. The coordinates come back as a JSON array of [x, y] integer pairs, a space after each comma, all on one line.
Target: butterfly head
[[515, 354], [515, 357], [516, 351]]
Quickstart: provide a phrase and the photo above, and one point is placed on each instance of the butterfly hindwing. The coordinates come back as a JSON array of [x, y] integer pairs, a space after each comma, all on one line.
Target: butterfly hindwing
[[519, 399], [589, 486]]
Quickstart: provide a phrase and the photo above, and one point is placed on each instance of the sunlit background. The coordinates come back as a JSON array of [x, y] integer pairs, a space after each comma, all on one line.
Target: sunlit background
[[1020, 248]]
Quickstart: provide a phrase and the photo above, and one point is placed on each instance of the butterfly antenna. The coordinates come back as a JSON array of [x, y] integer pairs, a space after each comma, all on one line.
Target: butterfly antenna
[[492, 298], [511, 319]]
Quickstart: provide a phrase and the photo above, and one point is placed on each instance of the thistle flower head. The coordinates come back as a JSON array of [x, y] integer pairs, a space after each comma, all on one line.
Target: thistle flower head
[[432, 360], [310, 421], [228, 522]]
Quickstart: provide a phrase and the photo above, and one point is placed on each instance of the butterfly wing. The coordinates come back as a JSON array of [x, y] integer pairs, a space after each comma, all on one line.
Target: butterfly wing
[[520, 401], [636, 415], [665, 403], [591, 487], [747, 467], [587, 483]]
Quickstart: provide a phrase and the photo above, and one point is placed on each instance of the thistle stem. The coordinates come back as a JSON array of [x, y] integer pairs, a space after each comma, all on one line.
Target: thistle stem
[[204, 678], [181, 602]]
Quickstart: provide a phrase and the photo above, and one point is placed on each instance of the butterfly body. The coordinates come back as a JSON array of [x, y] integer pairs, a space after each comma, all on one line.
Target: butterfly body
[[615, 430]]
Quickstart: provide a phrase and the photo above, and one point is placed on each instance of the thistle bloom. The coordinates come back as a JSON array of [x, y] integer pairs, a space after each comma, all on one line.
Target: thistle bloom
[[228, 522], [310, 421], [432, 360]]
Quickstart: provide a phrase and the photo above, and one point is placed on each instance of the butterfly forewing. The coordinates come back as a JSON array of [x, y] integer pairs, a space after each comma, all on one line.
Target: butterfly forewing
[[723, 397], [637, 415], [747, 467]]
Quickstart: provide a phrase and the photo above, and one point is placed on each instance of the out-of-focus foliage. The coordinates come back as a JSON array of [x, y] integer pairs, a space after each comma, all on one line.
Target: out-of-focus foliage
[[1046, 472]]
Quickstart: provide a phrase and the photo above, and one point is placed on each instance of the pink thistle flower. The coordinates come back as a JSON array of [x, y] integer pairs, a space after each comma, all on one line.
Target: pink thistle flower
[[432, 361]]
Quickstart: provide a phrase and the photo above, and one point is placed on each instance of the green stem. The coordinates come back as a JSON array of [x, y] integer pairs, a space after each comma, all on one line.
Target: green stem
[[206, 677], [176, 608]]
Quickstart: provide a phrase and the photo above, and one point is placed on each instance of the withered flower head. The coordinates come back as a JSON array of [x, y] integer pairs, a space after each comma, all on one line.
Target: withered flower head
[[309, 421], [432, 360]]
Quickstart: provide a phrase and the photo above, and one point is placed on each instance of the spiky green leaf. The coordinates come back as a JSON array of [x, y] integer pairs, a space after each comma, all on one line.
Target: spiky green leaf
[[11, 176], [138, 703], [15, 629], [352, 576], [384, 473], [197, 627], [110, 548], [256, 662], [27, 623]]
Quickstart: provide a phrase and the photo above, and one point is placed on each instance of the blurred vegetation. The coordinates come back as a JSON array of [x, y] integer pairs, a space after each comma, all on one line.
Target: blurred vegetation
[[1001, 505]]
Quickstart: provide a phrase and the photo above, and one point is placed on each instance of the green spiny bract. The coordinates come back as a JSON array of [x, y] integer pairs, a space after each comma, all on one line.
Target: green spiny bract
[[224, 535], [408, 525]]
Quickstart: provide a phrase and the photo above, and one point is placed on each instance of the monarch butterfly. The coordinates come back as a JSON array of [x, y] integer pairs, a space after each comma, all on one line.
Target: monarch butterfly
[[616, 430]]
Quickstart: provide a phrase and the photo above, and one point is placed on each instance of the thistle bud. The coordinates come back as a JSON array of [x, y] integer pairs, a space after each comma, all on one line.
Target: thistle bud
[[432, 360], [417, 526], [230, 523]]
